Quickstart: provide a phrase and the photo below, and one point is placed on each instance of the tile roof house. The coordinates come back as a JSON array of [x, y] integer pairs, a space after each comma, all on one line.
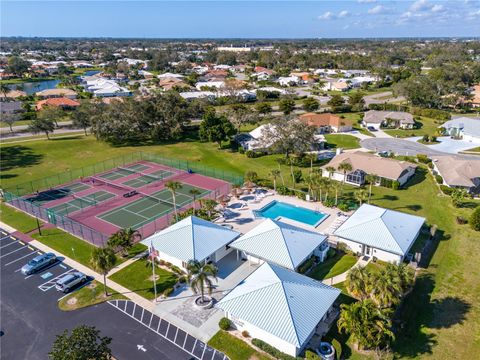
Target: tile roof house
[[292, 245], [12, 94], [385, 234], [365, 163], [398, 119], [326, 122], [192, 239], [279, 306], [458, 173], [476, 96], [57, 93], [62, 102]]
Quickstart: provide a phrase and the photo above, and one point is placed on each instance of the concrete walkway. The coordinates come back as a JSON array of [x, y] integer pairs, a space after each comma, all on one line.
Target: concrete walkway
[[343, 276]]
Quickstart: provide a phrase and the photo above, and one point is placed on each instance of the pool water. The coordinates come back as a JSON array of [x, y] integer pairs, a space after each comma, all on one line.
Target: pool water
[[276, 209]]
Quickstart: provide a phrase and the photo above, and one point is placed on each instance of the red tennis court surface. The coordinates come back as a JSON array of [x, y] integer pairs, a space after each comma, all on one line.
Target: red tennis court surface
[[133, 195]]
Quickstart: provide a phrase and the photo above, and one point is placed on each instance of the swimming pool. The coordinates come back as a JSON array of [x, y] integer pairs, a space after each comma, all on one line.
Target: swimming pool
[[276, 209]]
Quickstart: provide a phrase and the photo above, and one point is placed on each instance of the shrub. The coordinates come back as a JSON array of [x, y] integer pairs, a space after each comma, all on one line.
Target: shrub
[[432, 113], [241, 150], [342, 247], [245, 334], [395, 185], [265, 183], [423, 158], [297, 176], [303, 268], [251, 176], [430, 165], [475, 219], [167, 292], [446, 190], [461, 220], [277, 354], [224, 324], [439, 179], [329, 203], [331, 252], [425, 138], [182, 279], [310, 355], [283, 190], [176, 269], [343, 206], [338, 348]]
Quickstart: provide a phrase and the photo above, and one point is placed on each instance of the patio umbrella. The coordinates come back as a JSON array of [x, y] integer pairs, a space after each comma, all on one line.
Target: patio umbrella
[[224, 199]]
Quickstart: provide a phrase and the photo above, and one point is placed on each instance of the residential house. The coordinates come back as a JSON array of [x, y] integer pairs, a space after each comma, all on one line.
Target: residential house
[[463, 127], [62, 102], [288, 81], [192, 239], [169, 75], [364, 163], [254, 140], [293, 245], [326, 122], [385, 234], [11, 107], [279, 306], [397, 119], [57, 93], [458, 173], [210, 84], [12, 95], [475, 96]]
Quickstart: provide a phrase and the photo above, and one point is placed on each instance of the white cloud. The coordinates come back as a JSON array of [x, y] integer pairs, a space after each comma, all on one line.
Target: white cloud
[[326, 16], [437, 8], [366, 1], [376, 10], [421, 5], [343, 13]]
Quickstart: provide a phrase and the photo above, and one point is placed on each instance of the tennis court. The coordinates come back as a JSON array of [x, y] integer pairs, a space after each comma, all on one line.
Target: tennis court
[[150, 207], [82, 202], [58, 193], [146, 179], [121, 172]]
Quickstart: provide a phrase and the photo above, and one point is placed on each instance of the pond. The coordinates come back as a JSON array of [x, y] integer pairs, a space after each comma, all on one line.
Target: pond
[[91, 72], [35, 86]]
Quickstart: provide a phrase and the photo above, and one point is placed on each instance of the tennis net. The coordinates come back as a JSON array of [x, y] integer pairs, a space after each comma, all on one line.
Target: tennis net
[[98, 181], [154, 198], [151, 178], [88, 202]]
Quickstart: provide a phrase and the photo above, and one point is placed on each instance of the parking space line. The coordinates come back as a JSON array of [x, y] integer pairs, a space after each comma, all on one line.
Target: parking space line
[[5, 237], [203, 353], [185, 341], [14, 261], [143, 311], [175, 338], [52, 282], [4, 246], [23, 247], [158, 327], [151, 318]]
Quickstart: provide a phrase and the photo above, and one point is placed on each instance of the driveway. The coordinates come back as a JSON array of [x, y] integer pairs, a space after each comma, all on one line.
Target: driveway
[[449, 145], [381, 98]]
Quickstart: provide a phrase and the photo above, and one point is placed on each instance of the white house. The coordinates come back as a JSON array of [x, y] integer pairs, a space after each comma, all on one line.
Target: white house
[[466, 128], [280, 243], [288, 80], [254, 140], [279, 306], [398, 119], [192, 239], [210, 84], [170, 75], [385, 234]]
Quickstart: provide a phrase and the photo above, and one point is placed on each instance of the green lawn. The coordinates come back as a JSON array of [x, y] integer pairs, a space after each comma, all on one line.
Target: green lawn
[[342, 141], [428, 126], [475, 149], [6, 128], [23, 139], [235, 348], [17, 219], [67, 245], [333, 266], [89, 295], [137, 277]]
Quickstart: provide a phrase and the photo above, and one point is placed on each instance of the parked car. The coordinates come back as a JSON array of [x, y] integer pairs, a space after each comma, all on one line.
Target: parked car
[[371, 128], [70, 280], [38, 263]]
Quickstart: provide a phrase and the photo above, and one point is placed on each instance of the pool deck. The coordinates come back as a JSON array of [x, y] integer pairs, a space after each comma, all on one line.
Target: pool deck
[[243, 220]]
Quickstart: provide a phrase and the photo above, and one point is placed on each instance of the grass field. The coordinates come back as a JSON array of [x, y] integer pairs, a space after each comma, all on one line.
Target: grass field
[[441, 317], [89, 295], [335, 141], [137, 277], [17, 219], [428, 127], [333, 266], [235, 348]]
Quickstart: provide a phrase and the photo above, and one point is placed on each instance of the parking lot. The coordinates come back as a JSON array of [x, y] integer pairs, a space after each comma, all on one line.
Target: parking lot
[[30, 318]]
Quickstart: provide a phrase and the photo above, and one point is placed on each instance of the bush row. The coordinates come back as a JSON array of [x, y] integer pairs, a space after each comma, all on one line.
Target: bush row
[[277, 354]]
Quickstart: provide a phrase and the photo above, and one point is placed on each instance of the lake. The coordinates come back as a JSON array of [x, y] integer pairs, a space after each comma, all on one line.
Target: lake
[[33, 87]]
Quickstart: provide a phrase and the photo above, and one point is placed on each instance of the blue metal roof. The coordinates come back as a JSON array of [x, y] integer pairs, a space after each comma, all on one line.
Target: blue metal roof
[[279, 243], [191, 239], [280, 301], [384, 229]]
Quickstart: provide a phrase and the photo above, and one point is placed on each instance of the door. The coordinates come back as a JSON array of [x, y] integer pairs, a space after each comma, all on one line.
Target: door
[[368, 250]]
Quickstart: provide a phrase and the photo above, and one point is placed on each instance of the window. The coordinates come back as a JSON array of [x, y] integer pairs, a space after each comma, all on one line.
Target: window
[[356, 177]]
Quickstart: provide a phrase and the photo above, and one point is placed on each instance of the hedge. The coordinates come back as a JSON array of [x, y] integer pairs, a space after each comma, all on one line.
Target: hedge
[[224, 323], [446, 190], [277, 354], [306, 265], [439, 179]]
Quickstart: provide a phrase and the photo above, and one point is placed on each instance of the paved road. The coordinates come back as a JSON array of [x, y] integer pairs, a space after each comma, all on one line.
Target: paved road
[[25, 127], [20, 135], [379, 98], [30, 318]]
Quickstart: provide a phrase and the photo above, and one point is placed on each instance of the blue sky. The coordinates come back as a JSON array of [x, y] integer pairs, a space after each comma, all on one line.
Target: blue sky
[[241, 19]]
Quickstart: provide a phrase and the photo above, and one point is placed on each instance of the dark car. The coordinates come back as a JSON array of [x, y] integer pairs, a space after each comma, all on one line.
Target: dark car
[[38, 263]]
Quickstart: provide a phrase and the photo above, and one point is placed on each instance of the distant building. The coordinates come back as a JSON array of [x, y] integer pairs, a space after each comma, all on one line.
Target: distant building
[[463, 127], [57, 93], [397, 119], [326, 122], [234, 48], [64, 103]]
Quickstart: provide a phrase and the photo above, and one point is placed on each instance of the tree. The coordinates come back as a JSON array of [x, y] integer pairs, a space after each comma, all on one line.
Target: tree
[[200, 276], [240, 114], [355, 99], [17, 66], [51, 113], [274, 173], [209, 206], [10, 119], [361, 195], [371, 179], [286, 105], [474, 220], [311, 104], [81, 117], [359, 282], [387, 288], [251, 176], [4, 89], [368, 326], [336, 186], [194, 192], [122, 239], [458, 195], [84, 343], [336, 101], [103, 260], [330, 170], [41, 124], [312, 157], [215, 128], [263, 108], [173, 186], [345, 167]]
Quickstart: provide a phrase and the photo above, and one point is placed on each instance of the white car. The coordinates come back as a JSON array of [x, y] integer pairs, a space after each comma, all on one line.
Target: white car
[[70, 280]]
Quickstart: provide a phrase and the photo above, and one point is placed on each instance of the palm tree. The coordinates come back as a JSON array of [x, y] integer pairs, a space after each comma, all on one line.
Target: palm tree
[[359, 282], [403, 273], [361, 195], [194, 192], [368, 326], [274, 173], [371, 179], [209, 206], [200, 276], [312, 157], [336, 186], [122, 239], [279, 161], [173, 186], [103, 260], [330, 170], [387, 289], [328, 186], [4, 89], [345, 167]]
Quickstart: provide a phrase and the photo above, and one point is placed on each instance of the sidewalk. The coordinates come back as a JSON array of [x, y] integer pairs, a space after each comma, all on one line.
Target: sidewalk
[[150, 306], [343, 276]]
